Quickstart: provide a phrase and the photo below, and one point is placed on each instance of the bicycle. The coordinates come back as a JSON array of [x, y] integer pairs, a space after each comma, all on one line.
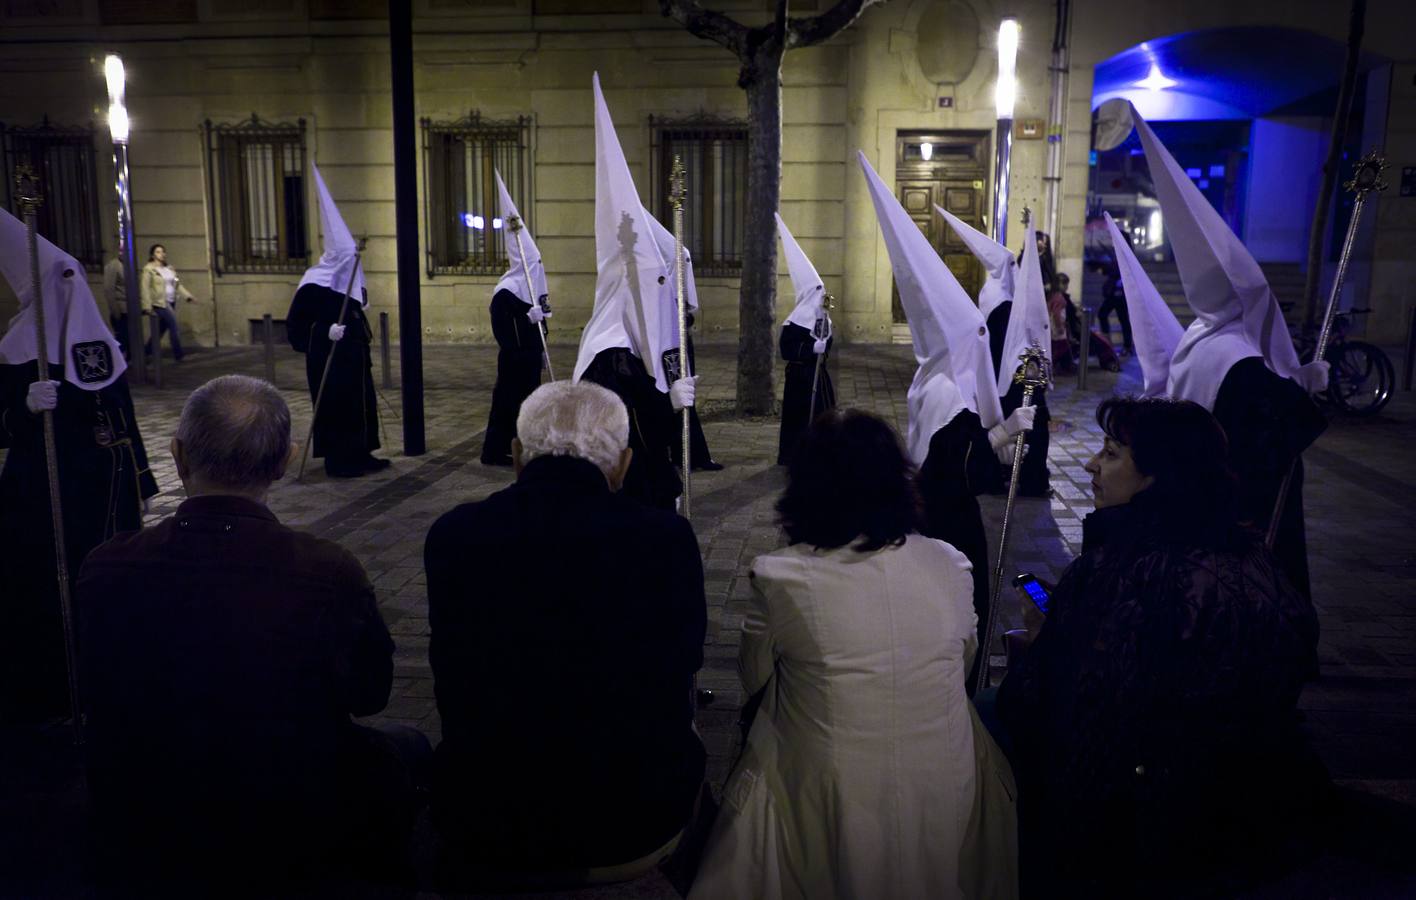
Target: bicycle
[[1363, 377]]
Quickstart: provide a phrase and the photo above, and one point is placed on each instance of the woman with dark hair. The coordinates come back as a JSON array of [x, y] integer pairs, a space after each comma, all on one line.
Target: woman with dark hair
[[159, 290], [1153, 719], [865, 773]]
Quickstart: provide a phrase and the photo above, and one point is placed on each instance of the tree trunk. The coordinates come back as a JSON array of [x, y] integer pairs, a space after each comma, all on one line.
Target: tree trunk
[[762, 79], [1318, 230]]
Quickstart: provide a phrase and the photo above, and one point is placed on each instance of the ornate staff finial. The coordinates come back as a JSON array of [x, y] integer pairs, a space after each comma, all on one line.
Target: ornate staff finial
[[1027, 214], [1368, 176], [27, 189], [513, 222], [1033, 372]]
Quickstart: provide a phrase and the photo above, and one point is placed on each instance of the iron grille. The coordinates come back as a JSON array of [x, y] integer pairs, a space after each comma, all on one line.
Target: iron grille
[[462, 210], [63, 159], [714, 153], [256, 179]]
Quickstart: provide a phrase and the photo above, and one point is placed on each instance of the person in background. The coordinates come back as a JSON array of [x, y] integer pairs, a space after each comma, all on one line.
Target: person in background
[[115, 297], [1113, 299], [160, 288], [866, 772], [1153, 720], [1066, 333]]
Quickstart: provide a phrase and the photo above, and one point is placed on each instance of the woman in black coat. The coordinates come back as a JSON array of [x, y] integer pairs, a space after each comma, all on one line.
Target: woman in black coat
[[1153, 720]]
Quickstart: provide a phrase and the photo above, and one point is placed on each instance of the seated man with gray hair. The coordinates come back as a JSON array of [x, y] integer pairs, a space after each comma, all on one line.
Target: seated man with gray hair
[[567, 623], [222, 655]]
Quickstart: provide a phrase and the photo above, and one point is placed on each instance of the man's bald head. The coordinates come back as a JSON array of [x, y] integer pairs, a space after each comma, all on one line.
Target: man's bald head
[[234, 436]]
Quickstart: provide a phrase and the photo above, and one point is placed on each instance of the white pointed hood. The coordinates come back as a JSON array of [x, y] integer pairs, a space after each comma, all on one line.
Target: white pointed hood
[[629, 309], [515, 278], [996, 259], [74, 330], [1153, 324], [665, 239], [806, 284], [950, 340], [1237, 315], [332, 271], [1028, 321]]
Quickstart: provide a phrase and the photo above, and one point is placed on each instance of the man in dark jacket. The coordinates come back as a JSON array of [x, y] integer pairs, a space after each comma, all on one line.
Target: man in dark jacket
[[222, 657], [567, 622]]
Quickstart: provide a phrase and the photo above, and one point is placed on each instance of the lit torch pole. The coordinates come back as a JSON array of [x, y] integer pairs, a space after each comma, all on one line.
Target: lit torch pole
[[114, 74], [1004, 95]]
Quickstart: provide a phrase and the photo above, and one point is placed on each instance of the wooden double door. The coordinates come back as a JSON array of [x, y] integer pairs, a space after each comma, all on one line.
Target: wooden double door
[[954, 175]]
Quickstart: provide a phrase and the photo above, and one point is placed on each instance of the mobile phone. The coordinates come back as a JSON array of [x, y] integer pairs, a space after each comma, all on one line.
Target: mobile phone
[[1035, 591]]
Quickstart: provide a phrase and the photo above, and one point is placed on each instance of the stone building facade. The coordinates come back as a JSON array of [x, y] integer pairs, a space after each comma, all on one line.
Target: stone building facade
[[315, 75]]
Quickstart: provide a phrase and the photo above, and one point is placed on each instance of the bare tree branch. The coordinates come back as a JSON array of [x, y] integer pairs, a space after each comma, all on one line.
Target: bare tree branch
[[814, 30], [708, 24]]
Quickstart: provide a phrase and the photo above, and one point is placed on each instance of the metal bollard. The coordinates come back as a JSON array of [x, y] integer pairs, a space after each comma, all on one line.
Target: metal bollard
[[1085, 362], [383, 352], [268, 336], [215, 325]]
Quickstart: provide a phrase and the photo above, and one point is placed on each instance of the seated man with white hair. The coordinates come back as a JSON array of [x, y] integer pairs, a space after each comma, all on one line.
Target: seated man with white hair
[[567, 623], [223, 655]]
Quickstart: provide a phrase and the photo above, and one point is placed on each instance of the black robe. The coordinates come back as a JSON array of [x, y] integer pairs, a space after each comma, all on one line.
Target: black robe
[[960, 466], [103, 476], [1033, 478], [1270, 421], [697, 443], [796, 345], [347, 427], [519, 361], [652, 478]]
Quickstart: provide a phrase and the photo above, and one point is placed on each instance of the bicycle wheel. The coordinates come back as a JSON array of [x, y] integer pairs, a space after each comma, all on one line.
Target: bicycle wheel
[[1362, 378]]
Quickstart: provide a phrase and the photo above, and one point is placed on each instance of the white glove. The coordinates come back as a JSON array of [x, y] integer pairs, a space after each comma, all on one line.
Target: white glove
[[818, 348], [681, 392], [1021, 420], [1314, 376], [336, 332], [42, 395], [1005, 452], [537, 315]]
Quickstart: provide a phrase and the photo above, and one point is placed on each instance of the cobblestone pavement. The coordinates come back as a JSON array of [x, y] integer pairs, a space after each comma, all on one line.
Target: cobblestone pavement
[[1360, 501]]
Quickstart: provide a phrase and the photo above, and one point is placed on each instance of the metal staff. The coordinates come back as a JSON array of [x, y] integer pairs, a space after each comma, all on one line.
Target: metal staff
[[1032, 374], [324, 376], [1365, 180], [677, 192], [27, 192], [823, 324], [514, 223]]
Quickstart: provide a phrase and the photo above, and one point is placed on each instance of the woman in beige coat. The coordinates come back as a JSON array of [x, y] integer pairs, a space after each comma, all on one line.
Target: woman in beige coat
[[866, 773]]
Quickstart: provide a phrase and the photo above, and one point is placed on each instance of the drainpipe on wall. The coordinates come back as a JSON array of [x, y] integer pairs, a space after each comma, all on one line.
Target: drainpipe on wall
[[1057, 120]]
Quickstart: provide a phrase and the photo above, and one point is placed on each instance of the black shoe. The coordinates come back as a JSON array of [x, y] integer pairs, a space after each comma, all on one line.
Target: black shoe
[[497, 460], [344, 469], [709, 466], [372, 463]]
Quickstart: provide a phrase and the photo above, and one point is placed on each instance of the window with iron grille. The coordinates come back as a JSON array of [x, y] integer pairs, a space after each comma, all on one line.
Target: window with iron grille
[[466, 235], [256, 179], [714, 153], [63, 161]]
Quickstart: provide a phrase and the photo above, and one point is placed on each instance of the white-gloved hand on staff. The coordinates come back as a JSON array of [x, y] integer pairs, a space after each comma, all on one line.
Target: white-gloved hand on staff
[[681, 392], [336, 332], [537, 315], [1314, 376], [42, 395], [819, 348], [1000, 436]]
